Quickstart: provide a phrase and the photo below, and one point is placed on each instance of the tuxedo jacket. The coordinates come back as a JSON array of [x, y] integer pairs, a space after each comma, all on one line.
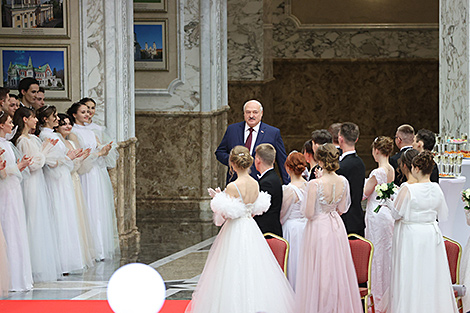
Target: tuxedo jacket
[[399, 178], [270, 221], [235, 136], [352, 167]]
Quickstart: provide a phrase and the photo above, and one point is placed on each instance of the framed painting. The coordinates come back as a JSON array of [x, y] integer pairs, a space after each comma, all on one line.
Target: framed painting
[[34, 18], [150, 5], [48, 65], [151, 45]]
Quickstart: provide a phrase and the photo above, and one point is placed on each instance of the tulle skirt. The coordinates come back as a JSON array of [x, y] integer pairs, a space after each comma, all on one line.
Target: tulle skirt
[[326, 277], [4, 266], [241, 274], [293, 231], [379, 230], [465, 275], [42, 230]]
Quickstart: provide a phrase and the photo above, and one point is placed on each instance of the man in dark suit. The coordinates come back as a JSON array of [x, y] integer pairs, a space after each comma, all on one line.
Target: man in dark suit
[[270, 221], [251, 133], [425, 140], [352, 167], [404, 138]]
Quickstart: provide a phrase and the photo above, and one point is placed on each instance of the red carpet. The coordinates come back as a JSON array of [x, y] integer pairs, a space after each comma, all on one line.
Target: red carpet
[[76, 306]]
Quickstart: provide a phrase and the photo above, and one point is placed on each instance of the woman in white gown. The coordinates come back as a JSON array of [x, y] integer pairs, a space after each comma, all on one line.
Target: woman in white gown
[[42, 230], [60, 185], [96, 185], [379, 226], [420, 272], [292, 219], [465, 269], [82, 163], [4, 266], [12, 210], [241, 274]]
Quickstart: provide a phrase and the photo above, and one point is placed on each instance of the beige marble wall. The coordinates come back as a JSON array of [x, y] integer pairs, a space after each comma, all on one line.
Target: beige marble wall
[[175, 166], [378, 95], [123, 178]]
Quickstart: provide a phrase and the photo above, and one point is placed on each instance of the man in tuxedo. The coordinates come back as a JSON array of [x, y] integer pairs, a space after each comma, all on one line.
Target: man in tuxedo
[[425, 140], [352, 167], [251, 133], [319, 137], [27, 89], [270, 221], [404, 138]]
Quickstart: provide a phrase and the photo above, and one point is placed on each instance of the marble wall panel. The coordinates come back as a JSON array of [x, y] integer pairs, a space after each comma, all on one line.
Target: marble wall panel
[[245, 34], [290, 41], [378, 95], [454, 72]]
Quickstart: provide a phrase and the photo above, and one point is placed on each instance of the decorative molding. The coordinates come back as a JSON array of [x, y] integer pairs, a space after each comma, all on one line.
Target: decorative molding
[[180, 79], [380, 26], [220, 110]]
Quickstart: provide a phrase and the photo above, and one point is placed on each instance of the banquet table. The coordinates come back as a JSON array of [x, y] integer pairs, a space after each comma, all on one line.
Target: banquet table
[[455, 227]]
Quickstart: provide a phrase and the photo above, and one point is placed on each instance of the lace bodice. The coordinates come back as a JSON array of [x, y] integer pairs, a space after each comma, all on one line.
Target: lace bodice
[[225, 207], [324, 198]]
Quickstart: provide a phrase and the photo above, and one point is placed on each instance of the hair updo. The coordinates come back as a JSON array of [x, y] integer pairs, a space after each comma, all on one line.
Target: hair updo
[[240, 157], [424, 161], [296, 162], [407, 157], [329, 156], [383, 144]]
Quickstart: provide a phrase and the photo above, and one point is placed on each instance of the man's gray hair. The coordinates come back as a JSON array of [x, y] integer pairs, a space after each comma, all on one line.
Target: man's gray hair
[[255, 101]]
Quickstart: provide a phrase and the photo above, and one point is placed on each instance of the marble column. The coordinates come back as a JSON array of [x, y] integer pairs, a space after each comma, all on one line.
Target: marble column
[[179, 128], [107, 75], [454, 60]]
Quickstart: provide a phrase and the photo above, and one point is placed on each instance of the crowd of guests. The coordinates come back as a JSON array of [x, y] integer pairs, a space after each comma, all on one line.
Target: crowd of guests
[[316, 209], [57, 213]]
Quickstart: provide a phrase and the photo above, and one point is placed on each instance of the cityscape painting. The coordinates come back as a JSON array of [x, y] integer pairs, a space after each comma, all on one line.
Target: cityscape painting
[[47, 65], [150, 47], [34, 17]]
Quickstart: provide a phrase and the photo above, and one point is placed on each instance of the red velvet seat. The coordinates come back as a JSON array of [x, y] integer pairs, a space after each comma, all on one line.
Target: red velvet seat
[[362, 251], [280, 248], [454, 253]]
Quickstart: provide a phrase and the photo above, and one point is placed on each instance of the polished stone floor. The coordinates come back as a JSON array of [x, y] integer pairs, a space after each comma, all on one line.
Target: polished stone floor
[[180, 271]]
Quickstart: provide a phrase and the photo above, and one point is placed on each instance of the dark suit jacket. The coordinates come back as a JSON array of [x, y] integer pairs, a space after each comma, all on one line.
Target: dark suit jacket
[[435, 174], [312, 174], [270, 221], [354, 170], [234, 136], [399, 178]]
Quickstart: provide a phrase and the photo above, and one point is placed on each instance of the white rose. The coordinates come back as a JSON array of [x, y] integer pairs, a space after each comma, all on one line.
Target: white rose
[[384, 187], [379, 193]]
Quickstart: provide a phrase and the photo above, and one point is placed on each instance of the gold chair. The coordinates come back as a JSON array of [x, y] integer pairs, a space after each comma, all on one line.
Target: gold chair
[[362, 251], [454, 253], [280, 248]]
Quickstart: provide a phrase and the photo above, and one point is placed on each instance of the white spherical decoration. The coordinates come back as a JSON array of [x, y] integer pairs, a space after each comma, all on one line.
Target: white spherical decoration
[[135, 288]]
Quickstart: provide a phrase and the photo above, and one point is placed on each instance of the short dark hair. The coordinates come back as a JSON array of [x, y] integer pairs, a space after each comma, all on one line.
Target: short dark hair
[[321, 136], [41, 89], [3, 93], [12, 95], [427, 137], [85, 100], [350, 132], [25, 83], [308, 148]]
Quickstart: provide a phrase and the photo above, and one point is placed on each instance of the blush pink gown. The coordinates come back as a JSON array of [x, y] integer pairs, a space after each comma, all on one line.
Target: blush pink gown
[[326, 278]]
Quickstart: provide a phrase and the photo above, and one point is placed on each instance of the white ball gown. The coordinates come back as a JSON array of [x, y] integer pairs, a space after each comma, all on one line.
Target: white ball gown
[[60, 185], [379, 230], [241, 274], [420, 271], [4, 266], [293, 224], [13, 220], [42, 229], [98, 193]]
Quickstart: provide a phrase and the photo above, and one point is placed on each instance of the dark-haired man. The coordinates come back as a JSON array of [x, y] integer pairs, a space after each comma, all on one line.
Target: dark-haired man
[[39, 102], [319, 137], [352, 167], [27, 89], [404, 138], [425, 140]]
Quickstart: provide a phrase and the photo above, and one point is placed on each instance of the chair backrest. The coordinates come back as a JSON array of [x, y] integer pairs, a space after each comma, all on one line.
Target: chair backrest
[[454, 252], [362, 251], [280, 248]]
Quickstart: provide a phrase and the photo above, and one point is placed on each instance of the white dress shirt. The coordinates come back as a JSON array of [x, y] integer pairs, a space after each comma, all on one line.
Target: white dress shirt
[[346, 153]]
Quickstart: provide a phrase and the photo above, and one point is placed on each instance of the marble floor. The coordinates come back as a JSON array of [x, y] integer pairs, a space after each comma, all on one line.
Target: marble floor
[[180, 271]]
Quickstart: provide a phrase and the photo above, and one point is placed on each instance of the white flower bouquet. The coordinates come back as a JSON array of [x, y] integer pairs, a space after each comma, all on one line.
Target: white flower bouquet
[[384, 192], [466, 198]]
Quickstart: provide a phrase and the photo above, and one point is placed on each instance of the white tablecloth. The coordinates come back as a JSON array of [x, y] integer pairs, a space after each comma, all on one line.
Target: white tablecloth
[[456, 226]]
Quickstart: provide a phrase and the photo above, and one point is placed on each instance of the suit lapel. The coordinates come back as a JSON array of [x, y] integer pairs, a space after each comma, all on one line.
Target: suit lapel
[[259, 138]]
